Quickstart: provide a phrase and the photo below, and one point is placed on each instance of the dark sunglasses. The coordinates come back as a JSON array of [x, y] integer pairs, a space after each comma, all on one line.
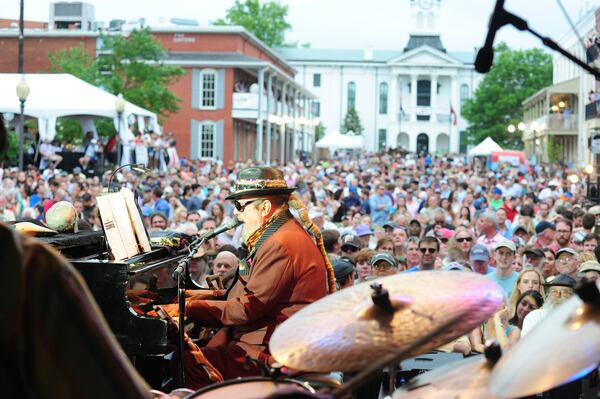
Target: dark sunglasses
[[349, 249], [428, 250], [464, 239], [240, 208]]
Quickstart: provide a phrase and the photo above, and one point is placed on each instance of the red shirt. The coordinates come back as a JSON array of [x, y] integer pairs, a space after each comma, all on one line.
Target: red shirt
[[510, 213]]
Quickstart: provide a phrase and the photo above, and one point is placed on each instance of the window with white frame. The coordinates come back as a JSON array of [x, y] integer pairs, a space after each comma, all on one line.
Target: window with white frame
[[208, 89], [464, 93], [208, 131]]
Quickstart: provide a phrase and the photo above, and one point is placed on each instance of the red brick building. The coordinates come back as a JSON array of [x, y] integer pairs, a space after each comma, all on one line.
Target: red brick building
[[221, 116]]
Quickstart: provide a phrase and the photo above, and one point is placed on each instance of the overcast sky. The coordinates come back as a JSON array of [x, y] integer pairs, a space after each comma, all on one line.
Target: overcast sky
[[380, 24]]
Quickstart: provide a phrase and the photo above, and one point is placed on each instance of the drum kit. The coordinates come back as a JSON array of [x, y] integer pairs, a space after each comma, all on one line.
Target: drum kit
[[376, 324]]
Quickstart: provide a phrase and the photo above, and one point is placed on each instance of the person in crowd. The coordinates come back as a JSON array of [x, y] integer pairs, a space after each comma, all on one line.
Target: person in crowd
[[487, 228], [350, 246], [504, 275], [363, 264], [399, 237], [344, 273], [548, 267], [158, 221], [590, 242], [527, 302], [459, 246], [381, 206], [479, 258], [385, 244], [364, 234], [564, 228], [533, 256], [567, 262], [528, 279], [429, 247], [414, 228], [332, 244], [560, 289], [224, 263], [590, 270], [545, 233], [383, 264]]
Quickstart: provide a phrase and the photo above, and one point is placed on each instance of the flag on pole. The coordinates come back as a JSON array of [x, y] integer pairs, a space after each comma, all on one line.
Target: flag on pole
[[453, 115]]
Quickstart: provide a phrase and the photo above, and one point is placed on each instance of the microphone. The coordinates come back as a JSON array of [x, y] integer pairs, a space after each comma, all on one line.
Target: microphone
[[231, 224], [485, 55]]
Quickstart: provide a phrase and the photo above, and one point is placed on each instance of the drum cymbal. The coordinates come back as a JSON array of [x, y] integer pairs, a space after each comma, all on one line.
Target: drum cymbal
[[463, 379], [345, 331], [563, 347]]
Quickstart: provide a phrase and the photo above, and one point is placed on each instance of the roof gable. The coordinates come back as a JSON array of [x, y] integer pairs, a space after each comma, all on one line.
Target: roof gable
[[424, 55]]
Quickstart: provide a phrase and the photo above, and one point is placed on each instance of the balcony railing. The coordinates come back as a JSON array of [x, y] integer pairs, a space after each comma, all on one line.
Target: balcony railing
[[592, 110], [562, 122]]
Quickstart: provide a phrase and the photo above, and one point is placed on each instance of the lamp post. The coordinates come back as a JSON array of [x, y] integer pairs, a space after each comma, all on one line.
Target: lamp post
[[22, 93], [520, 127], [119, 107], [588, 170]]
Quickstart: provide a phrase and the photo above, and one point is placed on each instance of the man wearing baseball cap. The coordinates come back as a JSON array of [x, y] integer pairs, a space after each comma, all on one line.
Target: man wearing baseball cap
[[383, 264], [504, 255], [479, 256], [566, 262], [590, 270]]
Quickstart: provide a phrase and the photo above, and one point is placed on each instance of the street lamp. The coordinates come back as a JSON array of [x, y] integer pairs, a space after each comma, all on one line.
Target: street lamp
[[574, 179], [588, 170], [119, 107], [22, 93], [511, 128]]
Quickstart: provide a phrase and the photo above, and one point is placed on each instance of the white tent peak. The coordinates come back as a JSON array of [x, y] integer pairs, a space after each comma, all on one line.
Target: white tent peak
[[486, 147], [336, 140]]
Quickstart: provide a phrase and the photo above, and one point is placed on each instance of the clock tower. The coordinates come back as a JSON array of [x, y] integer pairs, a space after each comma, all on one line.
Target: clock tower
[[424, 17]]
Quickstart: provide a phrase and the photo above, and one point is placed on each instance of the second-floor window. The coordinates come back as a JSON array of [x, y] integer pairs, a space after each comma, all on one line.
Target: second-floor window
[[383, 98], [351, 95], [316, 80], [208, 89], [424, 93]]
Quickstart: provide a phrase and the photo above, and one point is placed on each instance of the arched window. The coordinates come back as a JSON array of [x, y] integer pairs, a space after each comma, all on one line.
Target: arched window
[[383, 98], [464, 93], [351, 95]]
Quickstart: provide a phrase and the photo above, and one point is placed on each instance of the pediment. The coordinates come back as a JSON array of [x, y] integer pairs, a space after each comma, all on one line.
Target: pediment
[[425, 56]]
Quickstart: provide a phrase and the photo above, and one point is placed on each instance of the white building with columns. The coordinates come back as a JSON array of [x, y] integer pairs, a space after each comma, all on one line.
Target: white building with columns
[[410, 97]]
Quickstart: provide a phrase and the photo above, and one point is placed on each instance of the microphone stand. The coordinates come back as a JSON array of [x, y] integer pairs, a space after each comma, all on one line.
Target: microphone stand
[[522, 25], [179, 273]]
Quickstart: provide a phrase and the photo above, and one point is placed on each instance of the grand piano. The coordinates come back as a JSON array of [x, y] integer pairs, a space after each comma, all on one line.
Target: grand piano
[[115, 284]]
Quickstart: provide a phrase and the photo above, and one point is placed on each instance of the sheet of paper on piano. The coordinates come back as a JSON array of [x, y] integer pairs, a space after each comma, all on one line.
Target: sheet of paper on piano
[[125, 233]]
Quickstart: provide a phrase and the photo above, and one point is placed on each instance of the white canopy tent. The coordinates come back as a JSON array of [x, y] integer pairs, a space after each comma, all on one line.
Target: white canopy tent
[[335, 140], [58, 95], [485, 148]]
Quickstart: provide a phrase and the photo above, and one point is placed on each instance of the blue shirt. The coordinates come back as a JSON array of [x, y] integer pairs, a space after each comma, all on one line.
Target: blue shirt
[[163, 207], [380, 216], [507, 283]]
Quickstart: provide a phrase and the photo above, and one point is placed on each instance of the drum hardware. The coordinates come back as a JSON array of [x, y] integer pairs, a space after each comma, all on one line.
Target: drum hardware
[[563, 347], [466, 378]]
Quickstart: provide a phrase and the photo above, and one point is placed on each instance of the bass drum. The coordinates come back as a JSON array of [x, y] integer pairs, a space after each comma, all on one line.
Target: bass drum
[[248, 388]]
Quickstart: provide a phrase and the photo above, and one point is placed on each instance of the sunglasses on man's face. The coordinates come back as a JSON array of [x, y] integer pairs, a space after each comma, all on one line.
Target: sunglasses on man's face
[[428, 250], [464, 239], [241, 207]]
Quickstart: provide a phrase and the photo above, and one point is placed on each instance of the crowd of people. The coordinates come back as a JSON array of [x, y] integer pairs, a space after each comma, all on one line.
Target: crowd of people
[[530, 229]]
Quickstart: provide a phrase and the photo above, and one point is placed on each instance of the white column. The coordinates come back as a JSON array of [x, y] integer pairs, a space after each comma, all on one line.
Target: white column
[[454, 132], [413, 98], [394, 111], [434, 104]]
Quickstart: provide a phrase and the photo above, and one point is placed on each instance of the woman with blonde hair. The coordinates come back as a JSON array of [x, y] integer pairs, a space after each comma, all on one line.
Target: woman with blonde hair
[[529, 279], [460, 244]]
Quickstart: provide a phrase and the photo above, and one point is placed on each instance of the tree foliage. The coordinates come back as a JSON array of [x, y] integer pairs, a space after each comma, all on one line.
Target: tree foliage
[[129, 65], [319, 131], [266, 21], [516, 75], [352, 122]]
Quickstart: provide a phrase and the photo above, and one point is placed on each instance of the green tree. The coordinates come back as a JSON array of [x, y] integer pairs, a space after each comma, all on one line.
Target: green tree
[[352, 122], [319, 131], [554, 150], [266, 21], [130, 65], [516, 75]]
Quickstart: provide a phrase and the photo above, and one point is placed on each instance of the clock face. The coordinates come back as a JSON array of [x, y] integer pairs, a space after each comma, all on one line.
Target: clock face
[[425, 4]]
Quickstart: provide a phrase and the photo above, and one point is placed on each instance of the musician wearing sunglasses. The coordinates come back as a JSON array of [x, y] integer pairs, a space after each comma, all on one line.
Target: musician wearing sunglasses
[[284, 271], [429, 247]]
